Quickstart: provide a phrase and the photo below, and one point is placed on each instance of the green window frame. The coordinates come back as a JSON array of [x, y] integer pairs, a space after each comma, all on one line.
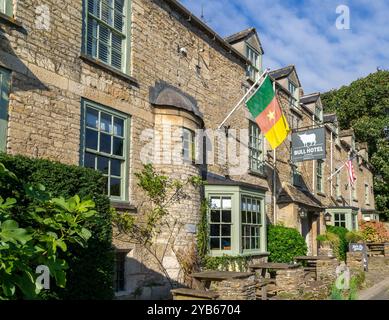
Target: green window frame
[[5, 76], [253, 56], [220, 222], [107, 32], [255, 148], [251, 222], [237, 229], [188, 145], [340, 220], [319, 175], [6, 7], [105, 145]]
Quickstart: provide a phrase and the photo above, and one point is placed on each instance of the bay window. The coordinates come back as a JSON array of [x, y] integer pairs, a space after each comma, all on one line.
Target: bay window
[[237, 222]]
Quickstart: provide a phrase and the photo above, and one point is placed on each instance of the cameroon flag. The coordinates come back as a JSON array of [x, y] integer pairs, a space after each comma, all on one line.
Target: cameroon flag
[[264, 107]]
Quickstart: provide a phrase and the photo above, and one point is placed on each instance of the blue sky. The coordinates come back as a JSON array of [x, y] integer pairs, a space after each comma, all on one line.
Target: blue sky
[[303, 33]]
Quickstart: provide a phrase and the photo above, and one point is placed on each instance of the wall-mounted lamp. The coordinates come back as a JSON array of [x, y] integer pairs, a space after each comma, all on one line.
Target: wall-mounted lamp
[[327, 217], [303, 213]]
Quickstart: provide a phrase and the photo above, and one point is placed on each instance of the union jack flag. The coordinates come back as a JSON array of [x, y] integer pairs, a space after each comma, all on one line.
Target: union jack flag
[[350, 170]]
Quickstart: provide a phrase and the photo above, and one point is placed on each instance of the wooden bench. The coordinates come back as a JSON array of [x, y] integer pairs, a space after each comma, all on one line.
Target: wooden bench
[[191, 294], [376, 249]]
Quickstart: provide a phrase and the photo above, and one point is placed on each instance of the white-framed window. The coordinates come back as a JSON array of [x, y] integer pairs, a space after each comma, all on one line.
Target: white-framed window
[[340, 220], [254, 57], [220, 223], [4, 97], [105, 146], [319, 175], [188, 145], [251, 221], [6, 7], [107, 32], [319, 113], [255, 148], [367, 194], [354, 221]]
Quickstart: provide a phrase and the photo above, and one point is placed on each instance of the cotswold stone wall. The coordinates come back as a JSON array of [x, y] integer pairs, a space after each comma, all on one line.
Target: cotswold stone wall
[[49, 79]]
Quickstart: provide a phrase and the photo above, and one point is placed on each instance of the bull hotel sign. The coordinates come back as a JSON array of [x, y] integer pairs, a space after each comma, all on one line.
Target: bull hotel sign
[[309, 145]]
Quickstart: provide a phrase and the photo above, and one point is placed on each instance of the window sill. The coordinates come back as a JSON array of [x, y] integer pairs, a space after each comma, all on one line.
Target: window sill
[[321, 194], [108, 68], [10, 20], [123, 206], [258, 174]]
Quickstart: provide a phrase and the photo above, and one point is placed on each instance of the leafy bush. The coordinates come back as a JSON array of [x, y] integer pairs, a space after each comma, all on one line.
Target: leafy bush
[[354, 236], [374, 231], [227, 263], [90, 270], [285, 243], [343, 243]]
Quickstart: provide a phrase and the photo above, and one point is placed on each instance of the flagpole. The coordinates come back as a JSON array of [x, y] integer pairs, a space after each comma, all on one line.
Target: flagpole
[[350, 186], [274, 169], [244, 97], [330, 177]]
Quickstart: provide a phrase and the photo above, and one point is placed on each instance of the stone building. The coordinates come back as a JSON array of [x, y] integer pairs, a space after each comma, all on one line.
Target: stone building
[[113, 84]]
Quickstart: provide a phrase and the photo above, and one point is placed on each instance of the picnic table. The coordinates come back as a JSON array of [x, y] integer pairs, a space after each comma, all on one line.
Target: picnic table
[[271, 266], [208, 276], [312, 262], [265, 282]]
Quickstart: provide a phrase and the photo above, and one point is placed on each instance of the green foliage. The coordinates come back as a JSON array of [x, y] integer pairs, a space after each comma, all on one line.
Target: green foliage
[[333, 241], [351, 293], [227, 263], [285, 243], [203, 232], [343, 243], [354, 236], [374, 231], [363, 105], [51, 224], [90, 271]]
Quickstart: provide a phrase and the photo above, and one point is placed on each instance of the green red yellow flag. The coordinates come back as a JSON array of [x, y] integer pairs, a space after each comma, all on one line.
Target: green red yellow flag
[[264, 107]]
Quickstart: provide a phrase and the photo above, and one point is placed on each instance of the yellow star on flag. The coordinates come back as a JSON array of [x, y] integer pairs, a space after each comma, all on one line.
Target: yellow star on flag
[[271, 115]]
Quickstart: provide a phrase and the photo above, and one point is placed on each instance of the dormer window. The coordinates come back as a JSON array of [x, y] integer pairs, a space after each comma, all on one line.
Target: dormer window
[[319, 113], [253, 70], [293, 99]]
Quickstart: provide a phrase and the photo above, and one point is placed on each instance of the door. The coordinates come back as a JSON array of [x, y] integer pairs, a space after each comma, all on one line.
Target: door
[[306, 227]]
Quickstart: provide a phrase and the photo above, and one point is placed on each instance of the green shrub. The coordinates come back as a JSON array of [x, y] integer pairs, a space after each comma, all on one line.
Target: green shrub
[[90, 270], [285, 243], [343, 243]]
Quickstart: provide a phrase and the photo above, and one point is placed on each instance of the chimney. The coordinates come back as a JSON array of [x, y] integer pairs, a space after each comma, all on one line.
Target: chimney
[[363, 150]]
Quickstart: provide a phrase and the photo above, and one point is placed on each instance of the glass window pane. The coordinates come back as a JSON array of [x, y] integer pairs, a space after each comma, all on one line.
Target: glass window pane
[[118, 127], [244, 217], [106, 123], [91, 139], [117, 146], [92, 118], [226, 203], [115, 187], [215, 203], [89, 161], [94, 7], [105, 186], [226, 216], [226, 230], [103, 52], [116, 166], [226, 243], [215, 243], [105, 143], [215, 216], [215, 230], [103, 164]]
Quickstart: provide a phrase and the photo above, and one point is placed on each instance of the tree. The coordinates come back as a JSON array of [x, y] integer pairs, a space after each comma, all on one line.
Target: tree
[[50, 225], [161, 193], [364, 106]]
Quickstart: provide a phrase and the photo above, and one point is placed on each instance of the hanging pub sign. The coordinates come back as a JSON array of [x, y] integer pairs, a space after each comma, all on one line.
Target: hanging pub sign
[[309, 145]]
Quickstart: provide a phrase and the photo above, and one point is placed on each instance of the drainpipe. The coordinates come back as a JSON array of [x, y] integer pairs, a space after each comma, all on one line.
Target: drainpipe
[[332, 169]]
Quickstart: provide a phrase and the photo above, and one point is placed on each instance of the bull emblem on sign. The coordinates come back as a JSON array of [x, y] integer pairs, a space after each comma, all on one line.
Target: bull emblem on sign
[[308, 140]]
